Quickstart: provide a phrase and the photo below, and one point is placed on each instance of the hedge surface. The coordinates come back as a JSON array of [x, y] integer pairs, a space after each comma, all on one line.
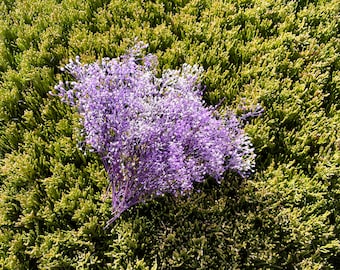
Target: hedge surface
[[284, 55]]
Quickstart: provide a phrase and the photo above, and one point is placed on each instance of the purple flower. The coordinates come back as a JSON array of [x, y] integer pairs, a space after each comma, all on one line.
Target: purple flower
[[153, 134]]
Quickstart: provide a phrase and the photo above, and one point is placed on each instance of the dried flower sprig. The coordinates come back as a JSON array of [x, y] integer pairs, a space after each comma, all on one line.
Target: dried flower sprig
[[154, 134]]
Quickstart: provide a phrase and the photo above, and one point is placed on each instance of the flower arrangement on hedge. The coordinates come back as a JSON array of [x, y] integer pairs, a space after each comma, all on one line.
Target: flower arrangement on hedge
[[154, 134]]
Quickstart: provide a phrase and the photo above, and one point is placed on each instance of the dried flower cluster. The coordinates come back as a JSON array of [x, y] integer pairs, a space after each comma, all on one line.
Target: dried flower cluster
[[153, 134]]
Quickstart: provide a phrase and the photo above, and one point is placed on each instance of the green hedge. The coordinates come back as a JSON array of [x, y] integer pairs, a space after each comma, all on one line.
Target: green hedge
[[284, 55]]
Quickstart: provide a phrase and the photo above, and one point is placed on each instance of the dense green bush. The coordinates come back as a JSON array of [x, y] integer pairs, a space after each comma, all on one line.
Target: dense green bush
[[284, 55]]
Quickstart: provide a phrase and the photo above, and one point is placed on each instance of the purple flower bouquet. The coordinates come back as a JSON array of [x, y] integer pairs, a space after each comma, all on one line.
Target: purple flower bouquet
[[154, 134]]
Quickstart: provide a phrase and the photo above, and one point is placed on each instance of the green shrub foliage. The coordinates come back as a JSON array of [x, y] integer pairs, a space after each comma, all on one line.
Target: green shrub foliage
[[284, 55]]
